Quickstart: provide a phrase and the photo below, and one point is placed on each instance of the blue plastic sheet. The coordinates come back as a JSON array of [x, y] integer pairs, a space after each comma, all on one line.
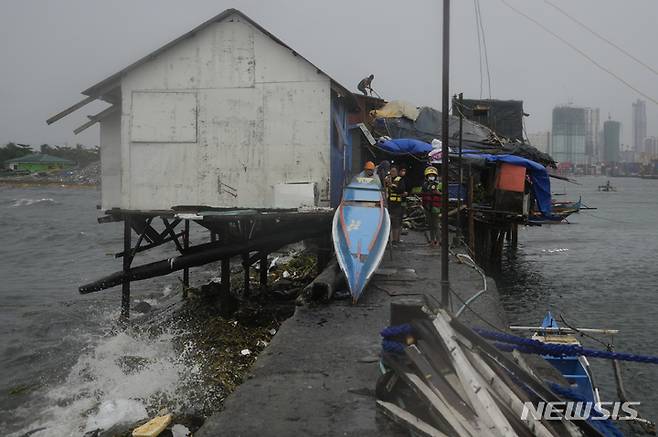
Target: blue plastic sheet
[[404, 146], [541, 184]]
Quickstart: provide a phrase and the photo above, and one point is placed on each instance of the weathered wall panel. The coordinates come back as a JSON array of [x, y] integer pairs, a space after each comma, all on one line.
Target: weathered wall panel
[[110, 141], [163, 117], [162, 173], [263, 118]]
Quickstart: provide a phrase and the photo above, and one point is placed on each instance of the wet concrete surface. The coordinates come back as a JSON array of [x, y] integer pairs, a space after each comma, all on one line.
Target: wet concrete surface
[[317, 377]]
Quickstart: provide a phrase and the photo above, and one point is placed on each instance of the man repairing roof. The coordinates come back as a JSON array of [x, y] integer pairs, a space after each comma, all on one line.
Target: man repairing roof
[[366, 85]]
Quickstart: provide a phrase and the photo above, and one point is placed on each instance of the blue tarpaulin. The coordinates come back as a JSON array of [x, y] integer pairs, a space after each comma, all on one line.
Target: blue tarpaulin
[[404, 146], [541, 184]]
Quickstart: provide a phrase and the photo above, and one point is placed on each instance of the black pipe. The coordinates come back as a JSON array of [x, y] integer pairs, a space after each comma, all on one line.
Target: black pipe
[[127, 260], [160, 268]]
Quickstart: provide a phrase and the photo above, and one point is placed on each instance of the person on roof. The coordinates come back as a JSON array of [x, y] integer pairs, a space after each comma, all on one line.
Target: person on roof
[[366, 85], [432, 203]]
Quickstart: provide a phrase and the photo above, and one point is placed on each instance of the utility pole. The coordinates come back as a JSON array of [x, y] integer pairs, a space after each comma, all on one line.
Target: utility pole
[[445, 282], [460, 107]]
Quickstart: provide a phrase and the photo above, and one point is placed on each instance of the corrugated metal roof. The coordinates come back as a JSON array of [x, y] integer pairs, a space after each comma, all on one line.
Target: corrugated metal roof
[[39, 158], [106, 84]]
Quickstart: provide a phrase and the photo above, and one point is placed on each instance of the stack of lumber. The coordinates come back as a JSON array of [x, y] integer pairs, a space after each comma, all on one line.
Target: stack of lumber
[[450, 382]]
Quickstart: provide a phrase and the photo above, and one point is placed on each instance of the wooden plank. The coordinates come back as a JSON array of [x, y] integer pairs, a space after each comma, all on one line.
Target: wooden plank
[[437, 355], [507, 396], [407, 419], [95, 119], [451, 415], [525, 375], [481, 399], [438, 383], [70, 109]]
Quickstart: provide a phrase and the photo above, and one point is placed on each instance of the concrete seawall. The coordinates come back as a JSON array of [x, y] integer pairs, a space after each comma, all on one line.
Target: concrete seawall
[[317, 377]]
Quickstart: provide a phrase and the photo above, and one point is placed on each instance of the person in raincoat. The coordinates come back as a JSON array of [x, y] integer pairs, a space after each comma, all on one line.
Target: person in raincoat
[[431, 191]]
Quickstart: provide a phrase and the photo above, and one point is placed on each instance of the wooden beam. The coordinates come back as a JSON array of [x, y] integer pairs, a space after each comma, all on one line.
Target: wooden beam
[[475, 387], [93, 119], [70, 109], [506, 395], [404, 418], [125, 283]]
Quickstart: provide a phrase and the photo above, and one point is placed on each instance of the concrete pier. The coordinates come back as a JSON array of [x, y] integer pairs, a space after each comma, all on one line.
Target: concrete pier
[[318, 375]]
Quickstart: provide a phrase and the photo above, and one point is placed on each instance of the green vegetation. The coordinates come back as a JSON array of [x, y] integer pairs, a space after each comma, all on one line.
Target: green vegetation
[[79, 154]]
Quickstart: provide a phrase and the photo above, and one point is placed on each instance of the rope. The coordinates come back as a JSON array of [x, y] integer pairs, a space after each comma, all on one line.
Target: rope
[[605, 427], [394, 331], [529, 345], [392, 346]]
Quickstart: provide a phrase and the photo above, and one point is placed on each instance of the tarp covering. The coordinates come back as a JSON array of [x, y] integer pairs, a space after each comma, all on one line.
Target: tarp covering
[[427, 127], [396, 108], [404, 146], [541, 184]]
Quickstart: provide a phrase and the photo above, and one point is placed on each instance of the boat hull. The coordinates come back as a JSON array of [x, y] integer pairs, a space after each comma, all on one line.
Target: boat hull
[[360, 232], [576, 370]]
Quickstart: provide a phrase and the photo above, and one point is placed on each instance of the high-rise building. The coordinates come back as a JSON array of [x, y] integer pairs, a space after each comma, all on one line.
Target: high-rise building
[[611, 141], [540, 140], [592, 121], [651, 147], [639, 125], [569, 135]]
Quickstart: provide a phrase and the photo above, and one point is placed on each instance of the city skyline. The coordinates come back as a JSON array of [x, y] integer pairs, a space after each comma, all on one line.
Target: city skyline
[[43, 74]]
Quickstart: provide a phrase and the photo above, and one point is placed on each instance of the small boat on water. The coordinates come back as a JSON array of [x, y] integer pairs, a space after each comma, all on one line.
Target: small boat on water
[[569, 205], [607, 187], [558, 217], [360, 231], [575, 369]]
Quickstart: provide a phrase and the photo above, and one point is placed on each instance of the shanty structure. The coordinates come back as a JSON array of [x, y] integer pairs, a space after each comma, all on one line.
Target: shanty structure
[[226, 127], [39, 162], [226, 115]]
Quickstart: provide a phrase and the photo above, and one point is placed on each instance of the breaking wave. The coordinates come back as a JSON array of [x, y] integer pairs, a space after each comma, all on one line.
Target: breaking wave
[[30, 202], [125, 377]]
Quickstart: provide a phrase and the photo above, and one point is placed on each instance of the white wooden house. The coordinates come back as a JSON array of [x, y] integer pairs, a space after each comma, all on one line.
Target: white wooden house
[[227, 115]]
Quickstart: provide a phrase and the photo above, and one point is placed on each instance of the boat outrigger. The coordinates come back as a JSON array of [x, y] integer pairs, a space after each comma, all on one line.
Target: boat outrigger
[[360, 231]]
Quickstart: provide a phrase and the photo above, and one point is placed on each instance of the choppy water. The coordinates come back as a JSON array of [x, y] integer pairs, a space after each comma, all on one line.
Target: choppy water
[[601, 271], [62, 358], [64, 365]]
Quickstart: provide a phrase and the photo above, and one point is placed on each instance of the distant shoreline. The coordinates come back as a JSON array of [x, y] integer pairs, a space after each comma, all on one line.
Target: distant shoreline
[[5, 182]]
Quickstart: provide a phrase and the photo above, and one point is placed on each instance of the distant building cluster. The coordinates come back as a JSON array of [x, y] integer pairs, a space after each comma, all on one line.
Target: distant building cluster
[[579, 140]]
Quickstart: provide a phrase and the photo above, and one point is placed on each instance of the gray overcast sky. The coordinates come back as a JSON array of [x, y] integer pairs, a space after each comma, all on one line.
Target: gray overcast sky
[[51, 50]]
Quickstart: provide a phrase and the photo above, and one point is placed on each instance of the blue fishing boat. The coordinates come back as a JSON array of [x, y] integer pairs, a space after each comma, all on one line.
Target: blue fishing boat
[[575, 369], [360, 231], [558, 207]]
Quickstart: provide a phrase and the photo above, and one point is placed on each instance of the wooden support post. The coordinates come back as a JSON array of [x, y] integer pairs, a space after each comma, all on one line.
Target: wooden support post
[[226, 275], [263, 270], [471, 218], [226, 262], [186, 272], [127, 260], [244, 225], [247, 271], [515, 235]]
